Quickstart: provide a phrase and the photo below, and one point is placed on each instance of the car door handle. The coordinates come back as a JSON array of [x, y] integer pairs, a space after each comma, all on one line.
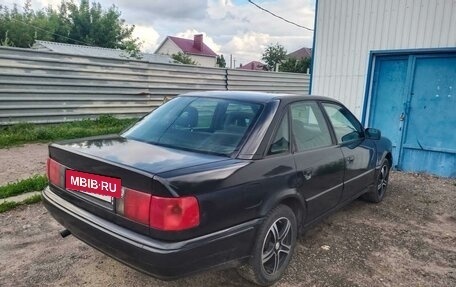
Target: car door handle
[[307, 174], [350, 159], [303, 176]]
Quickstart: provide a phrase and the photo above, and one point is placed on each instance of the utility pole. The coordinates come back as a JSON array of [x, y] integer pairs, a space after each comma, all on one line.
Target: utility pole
[[231, 61], [234, 63]]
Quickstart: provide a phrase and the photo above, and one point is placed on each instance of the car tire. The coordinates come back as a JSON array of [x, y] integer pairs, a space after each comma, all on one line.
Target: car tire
[[381, 184], [273, 247]]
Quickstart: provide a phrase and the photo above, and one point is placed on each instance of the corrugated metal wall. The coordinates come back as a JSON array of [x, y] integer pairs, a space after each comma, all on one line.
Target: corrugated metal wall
[[295, 83], [347, 30], [37, 86]]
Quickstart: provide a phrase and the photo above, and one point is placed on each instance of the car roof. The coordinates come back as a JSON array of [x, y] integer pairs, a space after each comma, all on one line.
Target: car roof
[[256, 97]]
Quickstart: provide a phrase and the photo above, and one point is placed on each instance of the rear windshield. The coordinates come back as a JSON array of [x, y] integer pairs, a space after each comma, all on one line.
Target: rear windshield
[[208, 125]]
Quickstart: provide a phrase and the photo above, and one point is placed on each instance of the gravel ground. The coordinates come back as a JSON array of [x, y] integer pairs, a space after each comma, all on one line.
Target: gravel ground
[[407, 240], [22, 162]]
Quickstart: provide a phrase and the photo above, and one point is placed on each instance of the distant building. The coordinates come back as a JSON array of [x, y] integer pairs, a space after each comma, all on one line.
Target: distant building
[[303, 53], [196, 49], [81, 50], [254, 65]]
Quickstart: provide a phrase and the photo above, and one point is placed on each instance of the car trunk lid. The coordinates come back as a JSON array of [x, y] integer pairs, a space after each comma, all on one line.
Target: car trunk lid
[[135, 163]]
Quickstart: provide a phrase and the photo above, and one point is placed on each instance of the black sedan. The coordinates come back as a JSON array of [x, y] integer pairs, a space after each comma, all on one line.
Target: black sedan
[[216, 179]]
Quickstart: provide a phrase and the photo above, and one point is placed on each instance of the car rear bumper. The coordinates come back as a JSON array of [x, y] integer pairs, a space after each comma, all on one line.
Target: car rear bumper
[[164, 260]]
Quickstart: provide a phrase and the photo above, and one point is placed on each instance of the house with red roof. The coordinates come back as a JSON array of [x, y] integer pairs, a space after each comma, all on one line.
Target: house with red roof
[[254, 65], [195, 48], [303, 53]]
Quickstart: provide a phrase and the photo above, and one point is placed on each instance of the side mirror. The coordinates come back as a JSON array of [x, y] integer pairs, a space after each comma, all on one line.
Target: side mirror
[[279, 146], [373, 134], [354, 135]]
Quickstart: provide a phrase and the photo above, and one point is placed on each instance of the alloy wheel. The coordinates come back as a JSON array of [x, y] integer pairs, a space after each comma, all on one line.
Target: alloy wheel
[[277, 245], [382, 180]]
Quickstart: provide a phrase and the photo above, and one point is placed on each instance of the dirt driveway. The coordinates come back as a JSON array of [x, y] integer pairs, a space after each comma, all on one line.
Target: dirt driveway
[[408, 240], [22, 162]]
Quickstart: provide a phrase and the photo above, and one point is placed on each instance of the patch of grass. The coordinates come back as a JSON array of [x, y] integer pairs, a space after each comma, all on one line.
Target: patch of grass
[[28, 133], [32, 199], [8, 205], [34, 183]]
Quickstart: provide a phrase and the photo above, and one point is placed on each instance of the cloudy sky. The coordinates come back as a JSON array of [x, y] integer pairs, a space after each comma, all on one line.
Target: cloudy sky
[[229, 26]]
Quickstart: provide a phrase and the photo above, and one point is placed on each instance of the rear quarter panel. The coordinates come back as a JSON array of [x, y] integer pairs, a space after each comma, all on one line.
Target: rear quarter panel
[[233, 193]]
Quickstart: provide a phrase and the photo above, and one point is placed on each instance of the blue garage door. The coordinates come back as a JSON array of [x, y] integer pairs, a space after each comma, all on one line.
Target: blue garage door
[[414, 104]]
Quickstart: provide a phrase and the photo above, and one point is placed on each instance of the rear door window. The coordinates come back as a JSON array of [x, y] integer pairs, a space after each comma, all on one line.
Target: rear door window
[[281, 142], [309, 126]]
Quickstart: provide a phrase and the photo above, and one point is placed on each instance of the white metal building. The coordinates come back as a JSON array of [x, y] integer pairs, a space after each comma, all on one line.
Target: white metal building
[[393, 63]]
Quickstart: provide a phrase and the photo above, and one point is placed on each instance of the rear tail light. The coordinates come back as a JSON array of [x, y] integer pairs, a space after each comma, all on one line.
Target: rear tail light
[[174, 213], [55, 173], [163, 213], [136, 206]]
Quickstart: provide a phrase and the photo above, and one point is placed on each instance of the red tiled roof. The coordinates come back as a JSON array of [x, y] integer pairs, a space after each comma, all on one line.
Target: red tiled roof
[[254, 65], [301, 53], [186, 45]]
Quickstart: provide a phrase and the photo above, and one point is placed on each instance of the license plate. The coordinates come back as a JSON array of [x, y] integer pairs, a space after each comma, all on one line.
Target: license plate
[[99, 186]]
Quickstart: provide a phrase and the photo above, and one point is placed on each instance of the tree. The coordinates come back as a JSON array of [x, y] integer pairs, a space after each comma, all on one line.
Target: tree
[[6, 41], [221, 61], [83, 24], [16, 27], [183, 58], [273, 55], [295, 66]]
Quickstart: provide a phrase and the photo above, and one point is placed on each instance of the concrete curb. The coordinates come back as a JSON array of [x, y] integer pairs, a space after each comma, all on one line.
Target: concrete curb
[[20, 197]]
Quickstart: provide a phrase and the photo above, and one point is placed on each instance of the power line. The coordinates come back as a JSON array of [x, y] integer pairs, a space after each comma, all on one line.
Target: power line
[[47, 31], [280, 17]]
